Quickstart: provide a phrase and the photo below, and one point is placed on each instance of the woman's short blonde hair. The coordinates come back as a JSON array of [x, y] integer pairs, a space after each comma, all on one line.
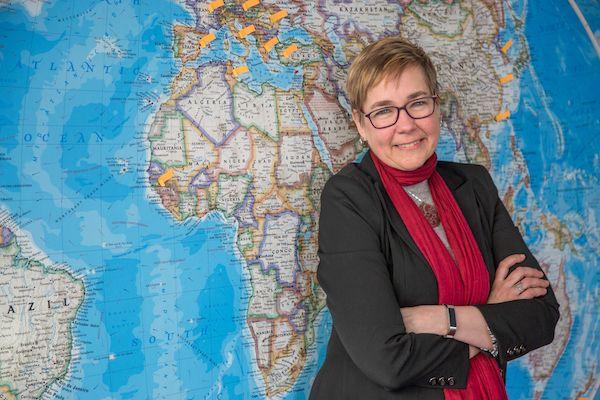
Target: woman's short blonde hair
[[386, 58]]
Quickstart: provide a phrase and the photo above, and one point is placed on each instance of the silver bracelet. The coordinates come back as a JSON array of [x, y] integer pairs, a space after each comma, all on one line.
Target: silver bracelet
[[494, 350]]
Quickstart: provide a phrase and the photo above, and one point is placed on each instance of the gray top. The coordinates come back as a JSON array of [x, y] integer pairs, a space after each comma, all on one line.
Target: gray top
[[421, 194]]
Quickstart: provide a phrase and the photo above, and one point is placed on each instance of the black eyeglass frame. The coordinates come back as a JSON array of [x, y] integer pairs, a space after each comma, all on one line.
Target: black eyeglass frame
[[434, 97]]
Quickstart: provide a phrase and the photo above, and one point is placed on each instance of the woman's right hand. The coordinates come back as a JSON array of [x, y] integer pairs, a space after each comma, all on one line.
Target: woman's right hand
[[521, 283]]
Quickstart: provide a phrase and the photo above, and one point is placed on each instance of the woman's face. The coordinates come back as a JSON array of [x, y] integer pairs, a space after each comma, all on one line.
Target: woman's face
[[408, 143]]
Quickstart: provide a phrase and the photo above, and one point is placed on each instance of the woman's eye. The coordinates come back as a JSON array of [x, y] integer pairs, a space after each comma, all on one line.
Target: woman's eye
[[418, 103], [382, 112]]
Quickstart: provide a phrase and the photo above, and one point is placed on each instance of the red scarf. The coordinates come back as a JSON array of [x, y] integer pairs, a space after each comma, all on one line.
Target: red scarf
[[466, 284]]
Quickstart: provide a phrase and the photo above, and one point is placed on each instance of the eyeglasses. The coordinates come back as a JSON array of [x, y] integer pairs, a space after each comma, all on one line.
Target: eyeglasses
[[416, 109]]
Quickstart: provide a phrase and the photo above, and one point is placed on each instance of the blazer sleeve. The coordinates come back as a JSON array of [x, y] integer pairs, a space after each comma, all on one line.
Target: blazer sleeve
[[521, 325], [366, 315]]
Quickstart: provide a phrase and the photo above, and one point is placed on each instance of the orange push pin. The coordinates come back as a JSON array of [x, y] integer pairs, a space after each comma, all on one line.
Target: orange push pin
[[240, 70], [278, 15], [246, 31], [502, 115], [249, 4], [506, 79], [506, 46], [207, 39], [271, 43], [165, 177], [290, 50], [215, 4]]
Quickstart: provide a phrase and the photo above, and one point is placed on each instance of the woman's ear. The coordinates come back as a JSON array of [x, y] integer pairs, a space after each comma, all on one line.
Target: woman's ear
[[358, 120]]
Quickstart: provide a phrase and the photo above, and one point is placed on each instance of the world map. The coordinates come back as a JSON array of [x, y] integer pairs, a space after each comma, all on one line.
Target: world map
[[161, 164]]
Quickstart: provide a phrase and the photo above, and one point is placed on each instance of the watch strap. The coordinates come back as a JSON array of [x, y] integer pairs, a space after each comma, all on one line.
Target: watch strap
[[451, 321]]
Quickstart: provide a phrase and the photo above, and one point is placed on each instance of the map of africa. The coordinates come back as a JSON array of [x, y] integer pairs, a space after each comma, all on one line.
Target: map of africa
[[161, 164]]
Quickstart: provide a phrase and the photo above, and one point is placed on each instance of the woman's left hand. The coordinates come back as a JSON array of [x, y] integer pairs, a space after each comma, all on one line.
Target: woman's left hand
[[522, 283], [425, 319]]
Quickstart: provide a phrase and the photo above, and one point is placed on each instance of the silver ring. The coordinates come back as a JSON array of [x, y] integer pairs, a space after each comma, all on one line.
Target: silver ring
[[520, 287]]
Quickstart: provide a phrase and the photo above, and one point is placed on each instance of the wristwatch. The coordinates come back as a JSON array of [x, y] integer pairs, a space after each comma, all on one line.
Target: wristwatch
[[451, 322]]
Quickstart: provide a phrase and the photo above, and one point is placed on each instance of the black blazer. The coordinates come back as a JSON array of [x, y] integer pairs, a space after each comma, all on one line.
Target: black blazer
[[370, 267]]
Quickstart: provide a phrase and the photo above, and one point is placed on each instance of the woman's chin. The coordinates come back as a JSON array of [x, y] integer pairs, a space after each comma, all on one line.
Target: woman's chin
[[407, 160]]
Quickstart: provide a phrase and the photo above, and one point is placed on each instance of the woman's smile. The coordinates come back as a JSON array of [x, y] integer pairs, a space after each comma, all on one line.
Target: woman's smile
[[410, 145]]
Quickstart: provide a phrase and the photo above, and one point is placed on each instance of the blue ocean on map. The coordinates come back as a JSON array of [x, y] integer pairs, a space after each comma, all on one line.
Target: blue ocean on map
[[147, 327], [542, 143]]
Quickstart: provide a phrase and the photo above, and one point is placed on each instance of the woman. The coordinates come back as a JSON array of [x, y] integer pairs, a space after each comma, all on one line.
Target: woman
[[430, 286]]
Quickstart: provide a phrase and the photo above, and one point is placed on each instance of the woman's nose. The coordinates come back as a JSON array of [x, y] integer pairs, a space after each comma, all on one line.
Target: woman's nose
[[405, 122]]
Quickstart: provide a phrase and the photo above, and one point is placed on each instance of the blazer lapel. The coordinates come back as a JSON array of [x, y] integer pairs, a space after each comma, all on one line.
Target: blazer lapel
[[392, 215]]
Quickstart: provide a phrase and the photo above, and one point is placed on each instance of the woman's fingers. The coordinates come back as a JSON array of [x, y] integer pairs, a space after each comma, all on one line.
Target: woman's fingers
[[528, 288], [505, 264], [523, 272], [533, 282], [532, 292]]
